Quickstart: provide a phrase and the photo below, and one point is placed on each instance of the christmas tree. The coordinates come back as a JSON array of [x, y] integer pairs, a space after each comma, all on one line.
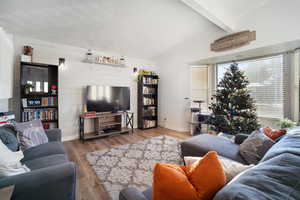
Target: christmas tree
[[233, 110]]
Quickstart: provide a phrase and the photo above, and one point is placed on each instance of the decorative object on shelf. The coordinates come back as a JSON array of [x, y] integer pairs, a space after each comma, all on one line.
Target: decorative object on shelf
[[233, 41], [287, 123], [147, 100], [27, 54], [233, 109], [34, 102], [54, 90], [84, 108], [104, 60], [46, 126], [28, 88]]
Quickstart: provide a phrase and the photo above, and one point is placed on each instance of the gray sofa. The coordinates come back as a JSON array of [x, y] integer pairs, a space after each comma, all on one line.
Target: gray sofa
[[276, 176], [52, 175]]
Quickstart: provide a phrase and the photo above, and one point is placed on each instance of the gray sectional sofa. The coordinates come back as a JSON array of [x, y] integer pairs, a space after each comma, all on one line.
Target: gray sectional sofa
[[275, 177], [52, 175]]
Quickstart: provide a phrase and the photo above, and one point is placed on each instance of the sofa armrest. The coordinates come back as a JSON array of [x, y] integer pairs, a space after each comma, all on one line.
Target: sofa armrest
[[131, 193], [55, 182], [53, 134], [239, 138]]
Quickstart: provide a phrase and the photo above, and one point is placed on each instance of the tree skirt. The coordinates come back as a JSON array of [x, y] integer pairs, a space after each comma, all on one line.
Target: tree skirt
[[131, 165]]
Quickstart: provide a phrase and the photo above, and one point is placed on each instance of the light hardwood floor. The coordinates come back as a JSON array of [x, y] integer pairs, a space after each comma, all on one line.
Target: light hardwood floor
[[88, 184]]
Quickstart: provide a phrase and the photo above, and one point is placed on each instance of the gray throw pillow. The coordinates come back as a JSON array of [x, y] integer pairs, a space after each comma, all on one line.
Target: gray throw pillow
[[31, 134], [255, 147], [9, 138], [231, 168]]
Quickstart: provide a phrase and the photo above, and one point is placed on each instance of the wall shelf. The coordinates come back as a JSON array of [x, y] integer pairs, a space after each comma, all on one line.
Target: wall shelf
[[104, 63]]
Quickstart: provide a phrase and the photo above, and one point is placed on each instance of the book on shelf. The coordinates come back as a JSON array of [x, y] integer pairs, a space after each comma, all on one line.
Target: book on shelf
[[150, 80], [43, 101], [149, 101], [149, 123], [148, 90], [150, 112], [42, 114]]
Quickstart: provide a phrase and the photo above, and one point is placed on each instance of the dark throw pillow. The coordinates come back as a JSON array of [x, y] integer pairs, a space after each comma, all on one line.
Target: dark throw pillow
[[8, 137], [31, 134], [255, 147]]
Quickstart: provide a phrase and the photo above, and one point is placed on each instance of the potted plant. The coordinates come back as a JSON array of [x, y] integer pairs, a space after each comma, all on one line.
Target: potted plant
[[28, 88], [286, 123]]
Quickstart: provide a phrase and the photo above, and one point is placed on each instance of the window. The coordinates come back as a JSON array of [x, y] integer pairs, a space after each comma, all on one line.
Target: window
[[266, 83]]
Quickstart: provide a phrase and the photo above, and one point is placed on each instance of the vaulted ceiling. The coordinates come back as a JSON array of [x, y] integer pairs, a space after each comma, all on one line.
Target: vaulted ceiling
[[139, 28]]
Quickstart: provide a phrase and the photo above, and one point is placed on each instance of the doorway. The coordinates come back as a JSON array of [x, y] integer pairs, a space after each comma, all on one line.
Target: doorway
[[200, 86]]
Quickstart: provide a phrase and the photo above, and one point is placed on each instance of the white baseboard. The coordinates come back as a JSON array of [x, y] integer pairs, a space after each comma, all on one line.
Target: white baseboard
[[69, 138]]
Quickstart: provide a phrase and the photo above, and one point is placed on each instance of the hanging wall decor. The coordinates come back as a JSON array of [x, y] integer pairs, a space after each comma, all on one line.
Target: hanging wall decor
[[233, 41]]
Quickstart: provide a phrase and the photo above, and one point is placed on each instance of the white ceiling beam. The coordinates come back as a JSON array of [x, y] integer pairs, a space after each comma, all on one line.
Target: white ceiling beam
[[196, 6]]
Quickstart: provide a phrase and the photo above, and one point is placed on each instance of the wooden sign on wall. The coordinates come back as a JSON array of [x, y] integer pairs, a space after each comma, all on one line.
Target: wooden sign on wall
[[233, 41]]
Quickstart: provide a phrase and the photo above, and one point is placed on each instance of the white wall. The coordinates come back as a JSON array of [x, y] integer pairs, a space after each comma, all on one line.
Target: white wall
[[6, 68], [3, 105], [275, 23], [174, 86], [76, 76]]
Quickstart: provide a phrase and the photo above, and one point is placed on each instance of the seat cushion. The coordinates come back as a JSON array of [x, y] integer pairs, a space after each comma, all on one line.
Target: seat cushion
[[46, 161], [201, 144], [290, 143], [43, 150], [276, 179]]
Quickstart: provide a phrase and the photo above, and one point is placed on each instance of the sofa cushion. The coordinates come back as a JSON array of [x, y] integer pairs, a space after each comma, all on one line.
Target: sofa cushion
[[8, 137], [290, 143], [255, 147], [231, 167], [47, 149], [46, 161], [276, 179], [31, 134], [201, 144]]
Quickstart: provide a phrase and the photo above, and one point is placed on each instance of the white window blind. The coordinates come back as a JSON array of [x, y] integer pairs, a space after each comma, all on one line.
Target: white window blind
[[267, 84]]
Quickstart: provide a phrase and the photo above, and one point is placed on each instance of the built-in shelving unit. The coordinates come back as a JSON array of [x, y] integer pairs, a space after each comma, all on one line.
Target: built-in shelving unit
[[39, 102], [147, 101]]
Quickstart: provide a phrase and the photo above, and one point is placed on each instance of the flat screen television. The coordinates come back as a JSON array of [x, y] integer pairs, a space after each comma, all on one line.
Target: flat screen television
[[107, 98]]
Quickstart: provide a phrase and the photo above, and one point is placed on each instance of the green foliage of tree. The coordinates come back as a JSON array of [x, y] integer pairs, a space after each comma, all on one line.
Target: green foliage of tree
[[233, 109]]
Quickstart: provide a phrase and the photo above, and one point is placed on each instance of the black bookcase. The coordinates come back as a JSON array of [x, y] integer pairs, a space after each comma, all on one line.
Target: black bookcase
[[40, 102], [147, 101]]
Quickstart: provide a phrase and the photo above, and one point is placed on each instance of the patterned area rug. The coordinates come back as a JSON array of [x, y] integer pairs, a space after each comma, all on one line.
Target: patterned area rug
[[132, 164]]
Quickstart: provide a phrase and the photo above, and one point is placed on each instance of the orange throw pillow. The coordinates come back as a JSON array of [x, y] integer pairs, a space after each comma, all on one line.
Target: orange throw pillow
[[171, 183], [273, 134], [199, 181]]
